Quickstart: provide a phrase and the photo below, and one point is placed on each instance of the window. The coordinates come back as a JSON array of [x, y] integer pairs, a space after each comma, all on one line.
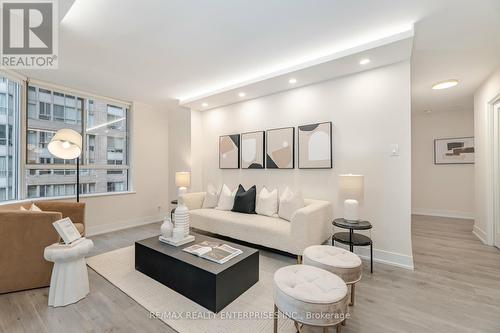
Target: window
[[105, 130], [10, 110], [115, 186], [3, 166], [3, 134]]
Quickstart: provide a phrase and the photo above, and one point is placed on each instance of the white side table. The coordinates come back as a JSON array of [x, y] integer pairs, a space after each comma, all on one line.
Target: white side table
[[69, 282]]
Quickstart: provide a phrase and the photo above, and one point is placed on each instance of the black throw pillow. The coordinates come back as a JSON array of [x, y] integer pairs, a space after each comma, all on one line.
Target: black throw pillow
[[244, 201]]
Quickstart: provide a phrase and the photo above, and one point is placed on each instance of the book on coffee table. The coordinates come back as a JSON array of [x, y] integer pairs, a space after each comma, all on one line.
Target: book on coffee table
[[216, 252]]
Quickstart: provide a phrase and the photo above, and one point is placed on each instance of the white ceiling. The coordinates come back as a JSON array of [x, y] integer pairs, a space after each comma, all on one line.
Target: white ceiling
[[460, 42], [159, 51], [382, 52]]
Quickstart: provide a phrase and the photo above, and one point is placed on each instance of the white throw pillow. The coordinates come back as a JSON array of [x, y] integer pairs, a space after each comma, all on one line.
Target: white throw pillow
[[211, 197], [33, 208], [267, 202], [290, 202], [226, 199]]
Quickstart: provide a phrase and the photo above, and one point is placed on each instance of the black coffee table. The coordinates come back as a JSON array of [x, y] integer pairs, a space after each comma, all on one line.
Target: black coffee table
[[207, 283]]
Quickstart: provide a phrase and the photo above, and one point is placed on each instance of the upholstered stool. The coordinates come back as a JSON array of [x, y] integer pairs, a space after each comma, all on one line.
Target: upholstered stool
[[69, 282], [341, 262], [309, 296]]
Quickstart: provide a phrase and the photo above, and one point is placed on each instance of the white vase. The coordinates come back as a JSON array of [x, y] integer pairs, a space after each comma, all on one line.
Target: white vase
[[166, 228], [181, 217]]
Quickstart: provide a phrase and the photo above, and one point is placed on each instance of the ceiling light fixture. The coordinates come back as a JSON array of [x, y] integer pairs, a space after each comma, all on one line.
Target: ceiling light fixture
[[241, 94], [364, 61], [204, 105], [445, 84], [292, 81]]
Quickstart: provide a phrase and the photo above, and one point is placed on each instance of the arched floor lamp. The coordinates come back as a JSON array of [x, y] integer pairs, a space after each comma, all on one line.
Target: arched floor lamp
[[67, 144]]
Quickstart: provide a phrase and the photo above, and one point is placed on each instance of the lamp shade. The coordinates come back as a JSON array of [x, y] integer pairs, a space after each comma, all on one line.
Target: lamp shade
[[183, 179], [66, 144], [351, 186]]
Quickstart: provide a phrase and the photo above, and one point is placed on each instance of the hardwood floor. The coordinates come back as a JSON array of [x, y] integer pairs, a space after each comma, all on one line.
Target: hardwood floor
[[455, 288]]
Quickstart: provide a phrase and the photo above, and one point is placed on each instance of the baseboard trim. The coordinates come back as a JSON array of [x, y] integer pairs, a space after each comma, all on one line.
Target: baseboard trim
[[443, 213], [480, 234], [383, 257], [110, 227]]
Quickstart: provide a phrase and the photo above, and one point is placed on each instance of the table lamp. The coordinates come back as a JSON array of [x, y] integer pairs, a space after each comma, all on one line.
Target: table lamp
[[351, 188], [67, 144], [182, 181]]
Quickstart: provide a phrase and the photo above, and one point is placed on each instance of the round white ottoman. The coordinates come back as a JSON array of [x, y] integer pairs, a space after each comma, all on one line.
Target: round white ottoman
[[309, 295], [341, 262], [69, 282]]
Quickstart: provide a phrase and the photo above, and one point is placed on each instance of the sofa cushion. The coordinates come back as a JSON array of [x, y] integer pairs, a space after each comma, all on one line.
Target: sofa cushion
[[226, 199], [267, 202], [244, 201], [290, 202], [211, 197]]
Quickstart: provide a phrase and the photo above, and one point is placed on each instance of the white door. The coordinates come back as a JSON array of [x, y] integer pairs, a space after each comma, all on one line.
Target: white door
[[496, 228]]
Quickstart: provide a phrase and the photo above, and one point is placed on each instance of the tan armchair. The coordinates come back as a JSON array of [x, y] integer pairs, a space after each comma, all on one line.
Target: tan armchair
[[23, 238]]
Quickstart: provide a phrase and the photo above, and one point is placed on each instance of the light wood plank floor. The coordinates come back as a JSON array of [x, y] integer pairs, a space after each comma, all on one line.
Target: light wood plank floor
[[455, 288]]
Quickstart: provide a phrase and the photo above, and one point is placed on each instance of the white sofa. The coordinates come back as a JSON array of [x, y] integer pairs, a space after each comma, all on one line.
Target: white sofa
[[310, 225]]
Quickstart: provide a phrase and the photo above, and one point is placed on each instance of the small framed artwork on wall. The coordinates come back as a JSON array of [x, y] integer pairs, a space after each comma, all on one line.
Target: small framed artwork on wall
[[252, 150], [454, 151], [280, 148], [315, 146], [229, 151]]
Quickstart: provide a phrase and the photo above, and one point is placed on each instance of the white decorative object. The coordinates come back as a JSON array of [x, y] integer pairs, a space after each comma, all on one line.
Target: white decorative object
[[267, 202], [226, 199], [290, 202], [69, 282], [167, 227], [351, 188], [173, 242], [180, 232]]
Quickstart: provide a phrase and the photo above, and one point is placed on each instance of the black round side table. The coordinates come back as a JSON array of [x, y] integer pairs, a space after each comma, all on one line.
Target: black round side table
[[352, 239]]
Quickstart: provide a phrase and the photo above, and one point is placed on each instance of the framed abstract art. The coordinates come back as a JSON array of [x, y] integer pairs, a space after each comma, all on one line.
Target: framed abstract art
[[454, 151], [315, 146], [280, 148], [252, 150], [229, 151]]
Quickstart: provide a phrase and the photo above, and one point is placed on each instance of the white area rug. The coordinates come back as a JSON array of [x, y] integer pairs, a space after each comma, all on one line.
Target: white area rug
[[118, 268]]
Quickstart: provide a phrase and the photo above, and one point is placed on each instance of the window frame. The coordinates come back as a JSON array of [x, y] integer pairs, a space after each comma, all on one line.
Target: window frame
[[20, 137], [86, 98]]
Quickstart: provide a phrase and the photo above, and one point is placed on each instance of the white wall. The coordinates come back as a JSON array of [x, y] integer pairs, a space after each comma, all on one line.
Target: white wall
[[369, 111], [179, 152], [483, 129], [441, 190], [149, 162]]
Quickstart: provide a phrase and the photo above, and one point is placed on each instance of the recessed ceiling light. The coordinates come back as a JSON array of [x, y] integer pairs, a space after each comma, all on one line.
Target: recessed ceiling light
[[292, 81], [445, 84], [241, 94], [204, 105], [364, 61]]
